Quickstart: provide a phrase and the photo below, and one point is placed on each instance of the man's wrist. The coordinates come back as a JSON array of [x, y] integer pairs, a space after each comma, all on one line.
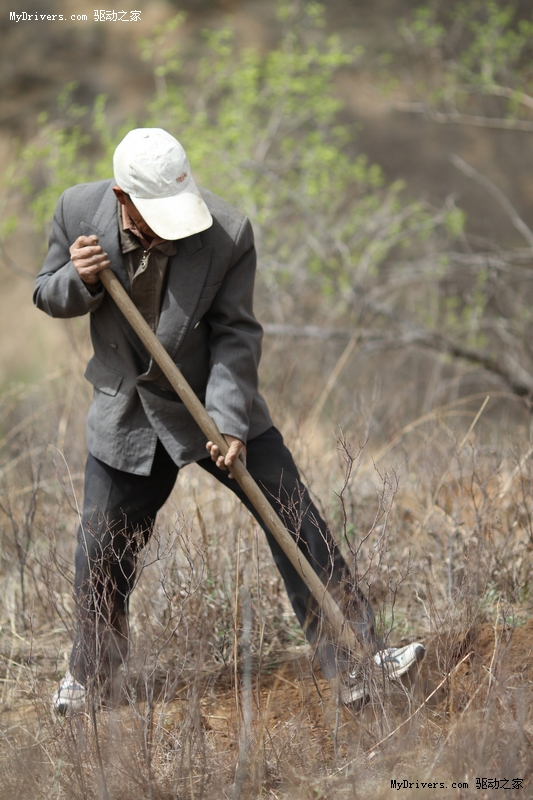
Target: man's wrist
[[94, 288]]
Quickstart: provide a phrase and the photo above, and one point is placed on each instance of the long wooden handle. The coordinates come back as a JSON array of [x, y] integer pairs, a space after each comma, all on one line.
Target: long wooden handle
[[334, 615]]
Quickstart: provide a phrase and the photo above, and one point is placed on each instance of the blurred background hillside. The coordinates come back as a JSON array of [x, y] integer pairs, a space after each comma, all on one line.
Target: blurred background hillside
[[379, 91]]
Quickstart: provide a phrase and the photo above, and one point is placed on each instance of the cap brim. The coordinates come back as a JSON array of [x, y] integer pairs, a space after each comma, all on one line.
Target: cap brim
[[175, 217]]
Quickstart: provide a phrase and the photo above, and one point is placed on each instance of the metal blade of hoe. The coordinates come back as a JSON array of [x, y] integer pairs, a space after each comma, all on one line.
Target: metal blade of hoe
[[340, 627]]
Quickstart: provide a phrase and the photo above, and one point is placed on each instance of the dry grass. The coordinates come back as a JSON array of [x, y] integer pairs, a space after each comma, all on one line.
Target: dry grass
[[224, 697]]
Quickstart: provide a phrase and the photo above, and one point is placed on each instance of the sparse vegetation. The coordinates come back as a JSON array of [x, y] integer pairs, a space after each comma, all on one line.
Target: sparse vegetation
[[223, 698]]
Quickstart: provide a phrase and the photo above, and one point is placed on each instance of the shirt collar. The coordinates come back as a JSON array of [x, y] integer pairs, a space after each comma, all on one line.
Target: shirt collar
[[131, 237]]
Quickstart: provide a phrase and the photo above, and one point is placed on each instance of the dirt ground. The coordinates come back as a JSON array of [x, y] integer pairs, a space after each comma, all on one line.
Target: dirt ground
[[296, 693], [289, 730]]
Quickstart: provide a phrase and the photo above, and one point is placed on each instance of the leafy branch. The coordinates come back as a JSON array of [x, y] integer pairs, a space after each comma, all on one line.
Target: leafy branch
[[476, 63]]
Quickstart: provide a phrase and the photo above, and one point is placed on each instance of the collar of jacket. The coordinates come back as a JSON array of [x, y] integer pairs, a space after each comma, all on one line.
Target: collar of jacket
[[187, 273]]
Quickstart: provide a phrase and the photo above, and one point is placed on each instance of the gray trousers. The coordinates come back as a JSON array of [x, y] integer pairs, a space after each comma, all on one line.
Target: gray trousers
[[119, 512]]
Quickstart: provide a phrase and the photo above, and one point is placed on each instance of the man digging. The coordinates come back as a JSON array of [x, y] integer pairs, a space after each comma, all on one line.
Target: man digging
[[187, 259]]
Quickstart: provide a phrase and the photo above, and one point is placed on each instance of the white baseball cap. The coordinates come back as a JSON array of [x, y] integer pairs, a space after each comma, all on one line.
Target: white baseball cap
[[152, 168]]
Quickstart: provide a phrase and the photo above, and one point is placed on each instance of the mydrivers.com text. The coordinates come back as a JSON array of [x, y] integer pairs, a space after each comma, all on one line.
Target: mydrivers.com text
[[481, 783], [99, 15], [405, 784]]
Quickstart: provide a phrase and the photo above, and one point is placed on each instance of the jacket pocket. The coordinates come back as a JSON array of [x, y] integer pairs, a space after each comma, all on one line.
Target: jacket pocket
[[204, 302], [208, 292], [103, 378]]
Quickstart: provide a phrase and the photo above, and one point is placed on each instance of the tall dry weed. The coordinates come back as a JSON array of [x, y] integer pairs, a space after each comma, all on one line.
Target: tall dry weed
[[222, 696]]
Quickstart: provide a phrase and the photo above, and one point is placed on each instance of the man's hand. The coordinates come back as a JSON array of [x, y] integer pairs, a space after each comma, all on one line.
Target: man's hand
[[237, 449], [88, 258]]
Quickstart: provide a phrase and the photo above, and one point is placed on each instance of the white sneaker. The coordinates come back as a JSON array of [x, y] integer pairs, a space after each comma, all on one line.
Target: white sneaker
[[354, 689], [70, 696], [396, 661]]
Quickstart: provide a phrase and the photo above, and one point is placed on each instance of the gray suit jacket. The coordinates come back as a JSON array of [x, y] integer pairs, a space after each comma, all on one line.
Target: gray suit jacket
[[207, 325]]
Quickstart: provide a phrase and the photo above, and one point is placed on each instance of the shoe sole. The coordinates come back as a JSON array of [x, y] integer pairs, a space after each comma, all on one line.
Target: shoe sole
[[395, 674], [357, 694], [69, 699], [351, 696]]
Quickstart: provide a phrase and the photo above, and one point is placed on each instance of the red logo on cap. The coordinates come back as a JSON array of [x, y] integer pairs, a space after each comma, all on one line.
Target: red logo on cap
[[181, 177]]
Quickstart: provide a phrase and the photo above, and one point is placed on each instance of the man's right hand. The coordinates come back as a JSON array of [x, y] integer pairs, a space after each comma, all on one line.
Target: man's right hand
[[88, 258]]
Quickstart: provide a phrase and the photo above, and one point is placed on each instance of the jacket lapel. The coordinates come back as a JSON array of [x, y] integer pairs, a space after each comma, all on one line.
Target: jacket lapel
[[187, 274], [105, 225]]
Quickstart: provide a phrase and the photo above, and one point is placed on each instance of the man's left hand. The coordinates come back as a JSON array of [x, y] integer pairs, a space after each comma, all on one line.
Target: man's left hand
[[237, 449]]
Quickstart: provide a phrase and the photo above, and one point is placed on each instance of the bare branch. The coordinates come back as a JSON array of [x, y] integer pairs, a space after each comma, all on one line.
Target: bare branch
[[306, 331], [498, 91], [411, 336], [498, 195], [456, 118], [436, 342], [13, 266]]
